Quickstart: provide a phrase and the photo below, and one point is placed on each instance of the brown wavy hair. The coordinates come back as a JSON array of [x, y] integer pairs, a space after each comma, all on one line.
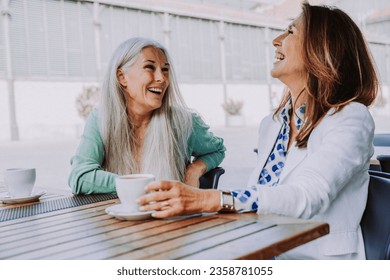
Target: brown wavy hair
[[339, 65]]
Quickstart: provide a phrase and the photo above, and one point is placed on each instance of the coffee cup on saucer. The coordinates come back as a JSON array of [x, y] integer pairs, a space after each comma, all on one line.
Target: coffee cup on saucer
[[20, 181], [130, 187]]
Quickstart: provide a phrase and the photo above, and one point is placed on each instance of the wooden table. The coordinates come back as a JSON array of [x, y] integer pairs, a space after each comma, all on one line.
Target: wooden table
[[87, 232]]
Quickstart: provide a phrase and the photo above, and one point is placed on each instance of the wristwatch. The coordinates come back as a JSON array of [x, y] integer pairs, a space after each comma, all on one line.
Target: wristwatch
[[227, 202]]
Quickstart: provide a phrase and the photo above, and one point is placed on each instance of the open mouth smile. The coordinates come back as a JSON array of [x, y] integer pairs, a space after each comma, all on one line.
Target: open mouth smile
[[155, 90], [279, 57]]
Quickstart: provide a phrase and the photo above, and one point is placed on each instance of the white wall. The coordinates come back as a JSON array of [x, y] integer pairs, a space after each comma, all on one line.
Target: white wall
[[43, 110], [4, 111], [207, 99], [46, 110]]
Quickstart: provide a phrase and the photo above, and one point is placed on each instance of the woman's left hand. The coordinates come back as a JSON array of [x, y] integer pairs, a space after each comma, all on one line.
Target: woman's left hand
[[173, 198]]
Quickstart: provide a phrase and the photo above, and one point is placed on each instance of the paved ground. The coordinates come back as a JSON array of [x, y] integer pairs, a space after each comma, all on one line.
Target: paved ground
[[51, 157]]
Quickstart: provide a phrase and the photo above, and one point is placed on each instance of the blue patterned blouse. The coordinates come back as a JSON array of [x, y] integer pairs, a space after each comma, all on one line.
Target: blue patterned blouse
[[246, 199]]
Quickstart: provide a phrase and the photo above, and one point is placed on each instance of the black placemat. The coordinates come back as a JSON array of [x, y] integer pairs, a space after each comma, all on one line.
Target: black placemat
[[52, 205]]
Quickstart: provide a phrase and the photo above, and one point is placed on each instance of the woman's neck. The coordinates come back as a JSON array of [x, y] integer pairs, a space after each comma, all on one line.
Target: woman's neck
[[139, 121], [298, 96]]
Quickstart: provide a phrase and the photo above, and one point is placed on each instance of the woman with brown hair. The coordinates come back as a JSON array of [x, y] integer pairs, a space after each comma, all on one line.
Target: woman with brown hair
[[314, 151]]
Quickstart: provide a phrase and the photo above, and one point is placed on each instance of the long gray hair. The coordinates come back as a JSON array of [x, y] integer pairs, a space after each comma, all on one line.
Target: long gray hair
[[164, 150]]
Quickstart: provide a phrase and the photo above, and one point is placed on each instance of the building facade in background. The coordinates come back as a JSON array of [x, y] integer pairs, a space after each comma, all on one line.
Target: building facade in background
[[51, 49]]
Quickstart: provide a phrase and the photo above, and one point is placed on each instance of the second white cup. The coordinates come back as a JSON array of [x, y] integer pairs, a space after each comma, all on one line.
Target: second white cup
[[20, 181], [130, 187]]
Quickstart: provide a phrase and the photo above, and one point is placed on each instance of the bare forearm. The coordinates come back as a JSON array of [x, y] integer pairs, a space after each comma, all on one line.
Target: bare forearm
[[194, 171]]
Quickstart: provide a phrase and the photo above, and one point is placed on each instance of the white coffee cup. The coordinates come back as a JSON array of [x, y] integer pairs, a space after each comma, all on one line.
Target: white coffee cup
[[19, 181], [130, 187]]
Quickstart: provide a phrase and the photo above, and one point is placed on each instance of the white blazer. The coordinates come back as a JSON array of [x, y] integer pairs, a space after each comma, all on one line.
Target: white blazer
[[327, 181]]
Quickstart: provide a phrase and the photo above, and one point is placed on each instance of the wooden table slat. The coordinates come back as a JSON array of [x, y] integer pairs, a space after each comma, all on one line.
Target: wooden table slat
[[212, 241], [80, 239], [153, 245], [127, 240], [47, 235], [62, 239], [257, 241]]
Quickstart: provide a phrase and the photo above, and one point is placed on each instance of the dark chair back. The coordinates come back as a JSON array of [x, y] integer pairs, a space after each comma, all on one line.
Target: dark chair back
[[379, 174], [384, 161], [210, 179], [376, 219], [375, 167], [382, 139]]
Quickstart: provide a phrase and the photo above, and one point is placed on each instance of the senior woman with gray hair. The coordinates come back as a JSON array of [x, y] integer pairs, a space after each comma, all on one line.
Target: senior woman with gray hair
[[142, 125]]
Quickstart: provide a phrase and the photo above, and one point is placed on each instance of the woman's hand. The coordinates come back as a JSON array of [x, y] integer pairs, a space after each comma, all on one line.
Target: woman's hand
[[194, 171], [173, 198]]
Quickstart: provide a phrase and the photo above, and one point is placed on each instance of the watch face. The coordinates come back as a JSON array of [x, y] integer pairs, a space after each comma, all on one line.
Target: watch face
[[227, 202], [228, 199]]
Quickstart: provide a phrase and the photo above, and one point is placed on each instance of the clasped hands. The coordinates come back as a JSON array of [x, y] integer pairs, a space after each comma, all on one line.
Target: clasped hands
[[173, 198]]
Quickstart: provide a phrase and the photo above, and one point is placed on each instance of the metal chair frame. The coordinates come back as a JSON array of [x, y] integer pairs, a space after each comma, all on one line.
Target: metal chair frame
[[375, 223], [210, 179], [384, 162]]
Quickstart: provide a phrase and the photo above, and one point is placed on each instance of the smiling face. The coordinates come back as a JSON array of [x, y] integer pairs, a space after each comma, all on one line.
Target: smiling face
[[146, 82], [288, 65]]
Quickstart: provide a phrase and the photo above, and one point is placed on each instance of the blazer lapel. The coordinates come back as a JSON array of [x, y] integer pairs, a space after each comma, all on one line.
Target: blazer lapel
[[267, 138], [294, 158]]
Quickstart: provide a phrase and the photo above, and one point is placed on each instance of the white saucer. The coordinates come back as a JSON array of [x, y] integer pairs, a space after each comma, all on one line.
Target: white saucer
[[15, 200], [119, 211]]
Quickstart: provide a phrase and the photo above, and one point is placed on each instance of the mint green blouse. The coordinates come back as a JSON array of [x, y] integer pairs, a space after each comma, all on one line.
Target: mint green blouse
[[88, 177]]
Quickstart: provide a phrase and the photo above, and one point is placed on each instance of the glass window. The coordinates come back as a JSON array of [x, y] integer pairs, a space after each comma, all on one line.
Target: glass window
[[60, 39], [245, 51], [195, 49], [118, 24], [379, 53]]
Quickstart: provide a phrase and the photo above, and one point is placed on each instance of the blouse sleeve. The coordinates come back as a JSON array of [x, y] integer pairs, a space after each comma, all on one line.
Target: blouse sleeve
[[246, 200], [204, 145], [87, 176]]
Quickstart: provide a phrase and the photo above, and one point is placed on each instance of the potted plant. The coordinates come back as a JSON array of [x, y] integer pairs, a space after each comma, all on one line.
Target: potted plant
[[87, 100], [233, 109]]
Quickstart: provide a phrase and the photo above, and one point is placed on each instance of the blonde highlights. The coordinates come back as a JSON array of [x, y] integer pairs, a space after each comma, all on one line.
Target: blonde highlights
[[339, 65]]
